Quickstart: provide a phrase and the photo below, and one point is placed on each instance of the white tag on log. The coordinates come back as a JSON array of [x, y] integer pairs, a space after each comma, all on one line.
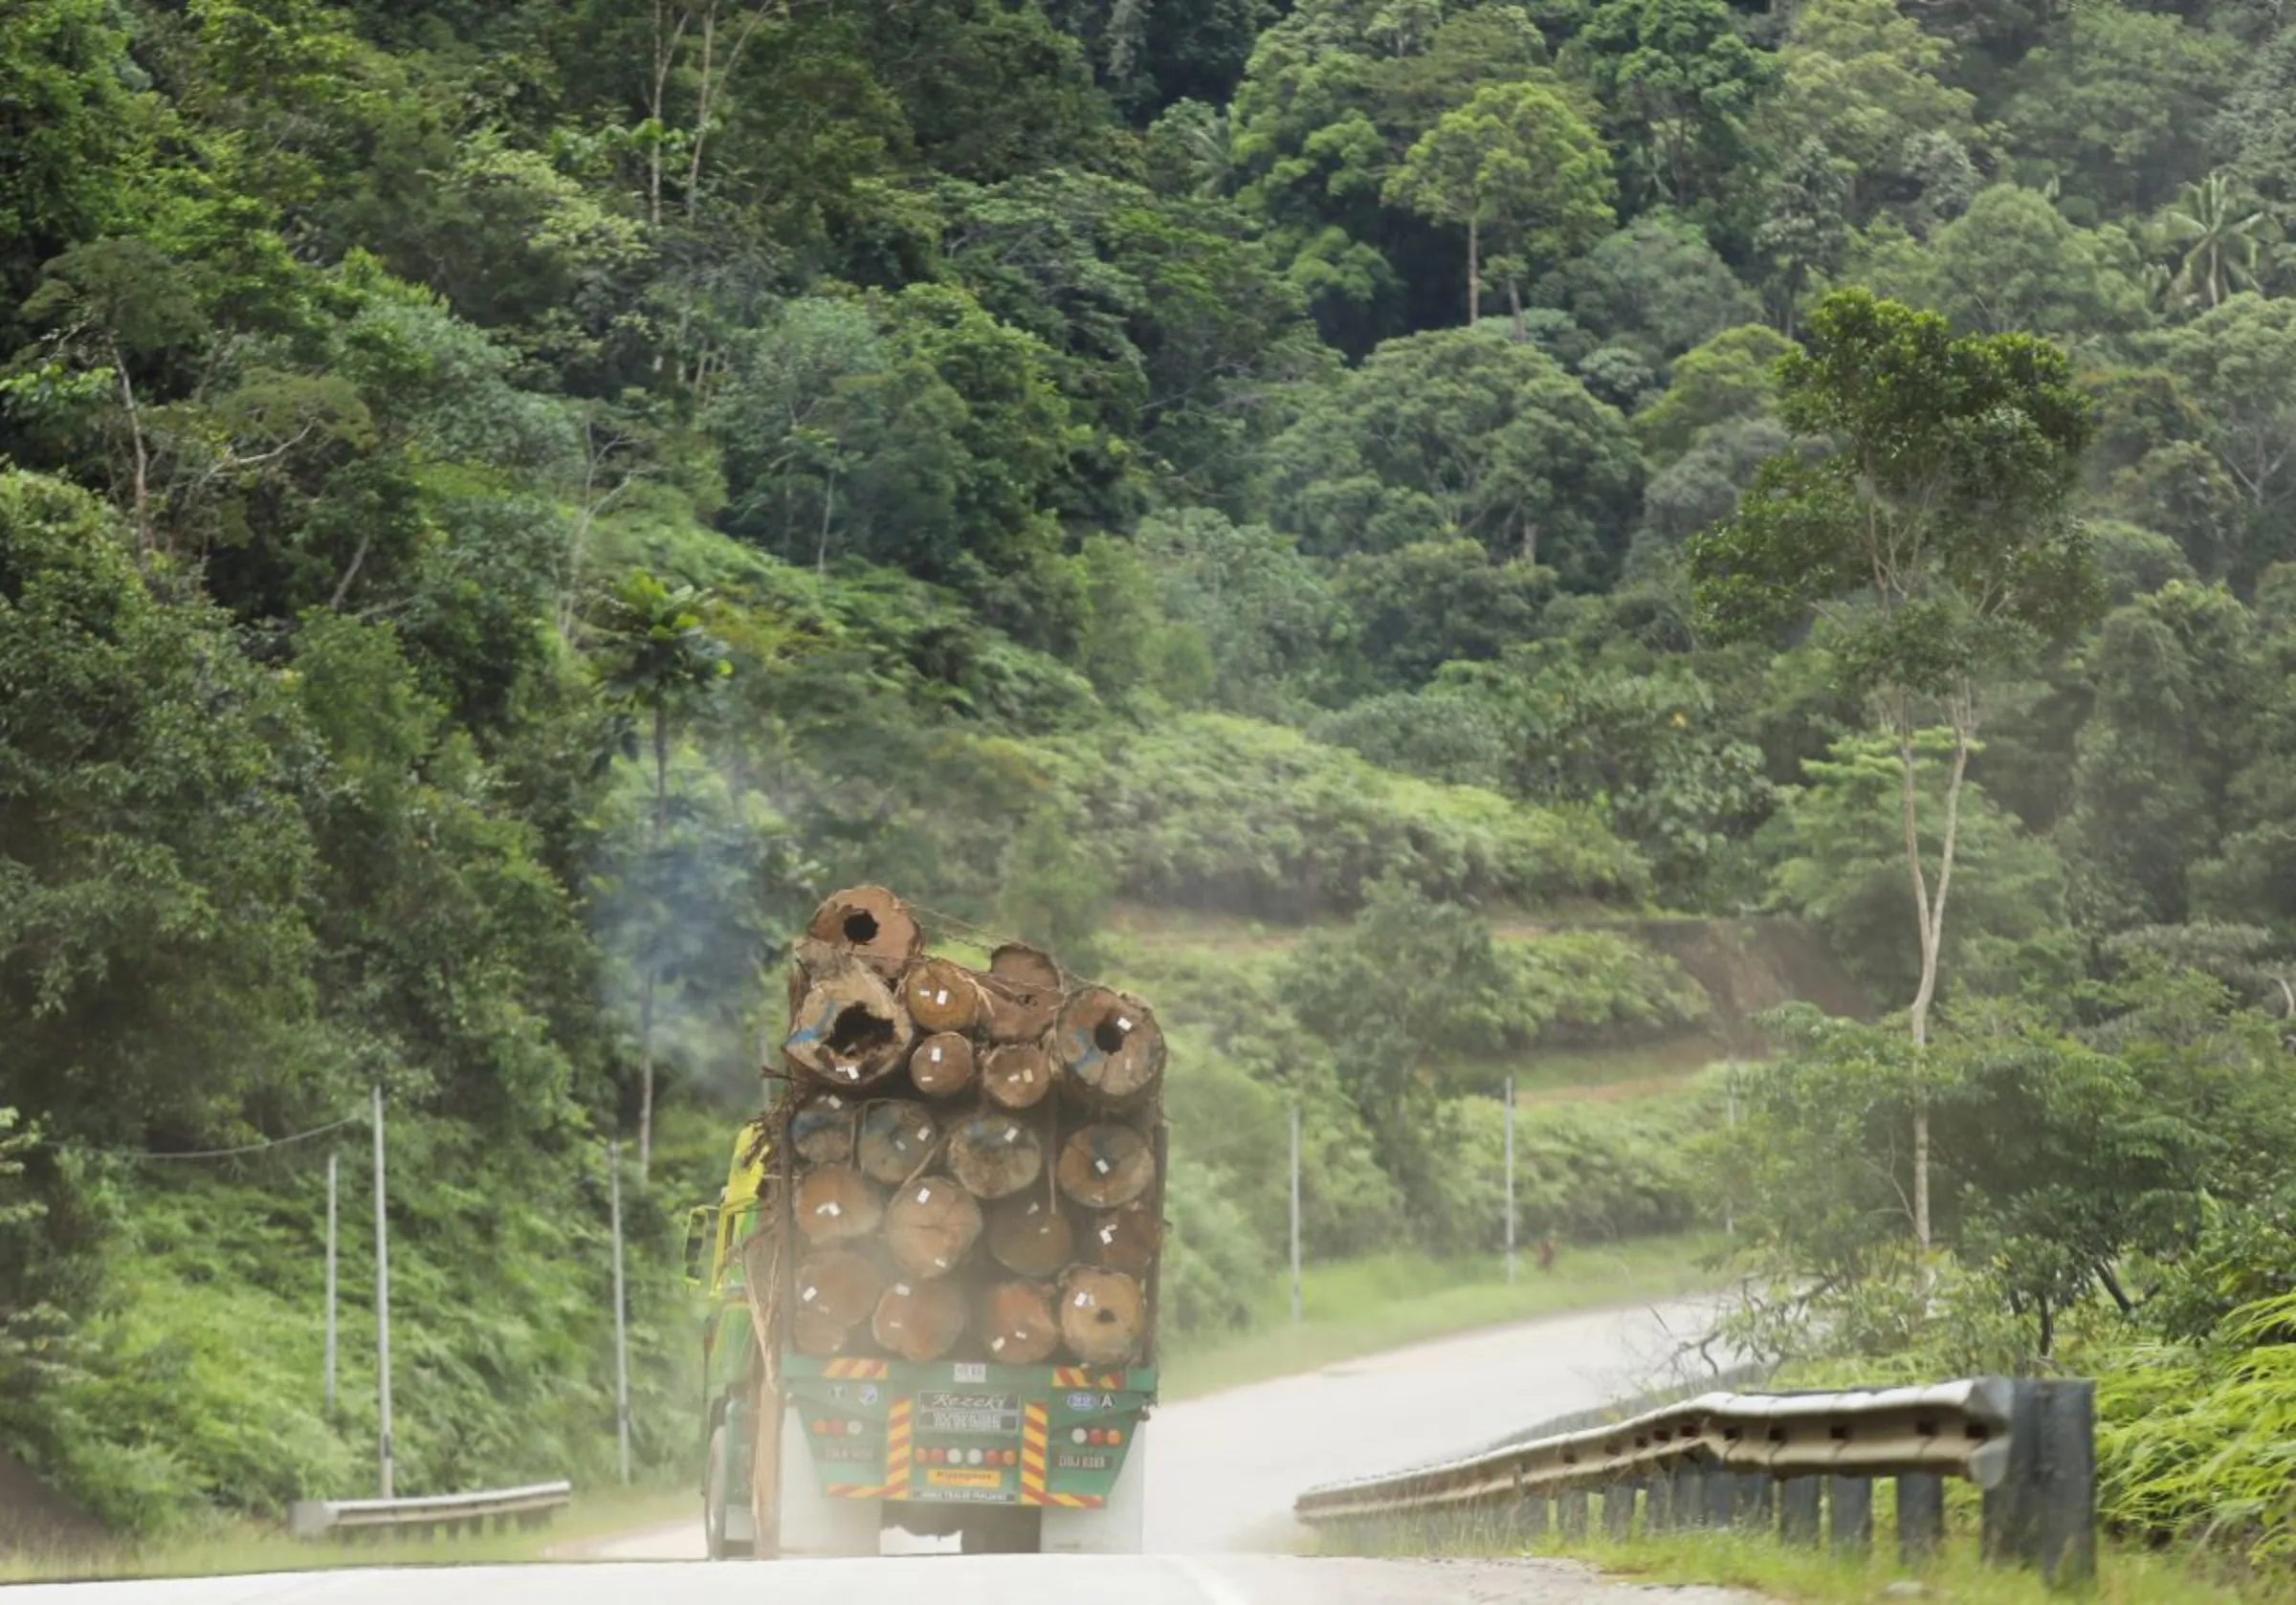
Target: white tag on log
[[1099, 1167], [1123, 1024], [924, 1194], [832, 1209]]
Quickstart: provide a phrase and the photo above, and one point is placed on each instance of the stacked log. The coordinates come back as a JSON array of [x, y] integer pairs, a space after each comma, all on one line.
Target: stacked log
[[973, 1157]]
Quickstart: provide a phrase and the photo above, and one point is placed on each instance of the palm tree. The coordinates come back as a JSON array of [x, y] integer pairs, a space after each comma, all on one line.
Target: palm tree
[[658, 659], [2219, 233]]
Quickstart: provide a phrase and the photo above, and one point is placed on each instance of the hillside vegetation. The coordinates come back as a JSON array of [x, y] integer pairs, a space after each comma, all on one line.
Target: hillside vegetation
[[503, 504]]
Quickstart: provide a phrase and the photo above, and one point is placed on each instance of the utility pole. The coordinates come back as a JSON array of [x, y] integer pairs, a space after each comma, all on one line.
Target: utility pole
[[613, 1193], [1296, 1215], [329, 1367], [381, 1305], [1510, 1178]]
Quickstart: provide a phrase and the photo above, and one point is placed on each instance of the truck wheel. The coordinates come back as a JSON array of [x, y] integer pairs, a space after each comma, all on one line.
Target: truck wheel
[[713, 1506]]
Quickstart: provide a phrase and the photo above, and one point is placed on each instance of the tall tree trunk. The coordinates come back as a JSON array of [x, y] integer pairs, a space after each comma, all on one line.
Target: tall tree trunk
[[1474, 269], [1514, 311], [1930, 917], [661, 819], [140, 491], [646, 1077]]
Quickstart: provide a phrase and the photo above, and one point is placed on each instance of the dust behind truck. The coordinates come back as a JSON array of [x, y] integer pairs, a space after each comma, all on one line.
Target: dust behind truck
[[933, 1266]]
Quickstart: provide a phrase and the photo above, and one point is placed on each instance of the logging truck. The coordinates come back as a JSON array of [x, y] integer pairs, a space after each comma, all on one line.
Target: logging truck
[[932, 1272]]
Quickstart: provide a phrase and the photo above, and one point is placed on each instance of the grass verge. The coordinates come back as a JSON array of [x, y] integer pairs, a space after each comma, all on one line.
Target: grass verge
[[1801, 1577], [249, 1546], [1364, 1306]]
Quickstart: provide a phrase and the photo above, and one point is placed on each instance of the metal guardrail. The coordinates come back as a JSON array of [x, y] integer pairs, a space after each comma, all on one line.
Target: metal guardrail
[[528, 1507], [1787, 1462]]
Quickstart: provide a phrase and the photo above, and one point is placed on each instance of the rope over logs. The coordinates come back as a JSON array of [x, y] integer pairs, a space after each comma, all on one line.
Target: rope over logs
[[976, 1164]]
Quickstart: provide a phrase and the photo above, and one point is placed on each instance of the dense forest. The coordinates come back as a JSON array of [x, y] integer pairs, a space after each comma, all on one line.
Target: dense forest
[[503, 502]]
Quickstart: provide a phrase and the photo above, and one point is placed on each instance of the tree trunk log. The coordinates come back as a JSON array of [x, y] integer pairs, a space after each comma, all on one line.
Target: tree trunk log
[[1016, 1319], [1017, 1075], [1022, 965], [822, 1130], [815, 1335], [995, 1156], [1103, 1317], [895, 1137], [848, 1031], [919, 1321], [870, 924], [931, 1226], [835, 1203], [1105, 1166], [839, 1284], [1111, 1046], [941, 996], [1020, 994], [1030, 1238], [943, 1065], [1127, 1239]]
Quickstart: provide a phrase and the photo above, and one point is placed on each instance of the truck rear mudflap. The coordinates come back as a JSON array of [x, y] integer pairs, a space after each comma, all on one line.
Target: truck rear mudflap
[[956, 1433]]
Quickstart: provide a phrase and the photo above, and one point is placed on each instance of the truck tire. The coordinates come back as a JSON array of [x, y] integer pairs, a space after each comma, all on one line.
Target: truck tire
[[713, 1504]]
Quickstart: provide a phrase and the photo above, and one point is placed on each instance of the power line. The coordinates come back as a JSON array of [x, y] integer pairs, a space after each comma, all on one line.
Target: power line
[[264, 1146]]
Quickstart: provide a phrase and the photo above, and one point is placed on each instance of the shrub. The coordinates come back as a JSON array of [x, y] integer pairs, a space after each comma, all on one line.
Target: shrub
[[1211, 811]]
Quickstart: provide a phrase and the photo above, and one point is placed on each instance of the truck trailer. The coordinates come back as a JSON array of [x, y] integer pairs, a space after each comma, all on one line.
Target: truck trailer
[[933, 1296]]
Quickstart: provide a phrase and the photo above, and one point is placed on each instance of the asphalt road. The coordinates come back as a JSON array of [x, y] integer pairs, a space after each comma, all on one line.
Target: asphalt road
[[1224, 1469], [1222, 1472], [953, 1580]]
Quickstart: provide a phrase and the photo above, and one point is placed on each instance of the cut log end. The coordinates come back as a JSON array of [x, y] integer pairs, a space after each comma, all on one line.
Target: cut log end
[[896, 1138], [919, 1320], [1106, 1165], [848, 1031], [822, 1130], [941, 996], [870, 923], [1111, 1045], [942, 1065], [1018, 1075], [1017, 1323], [995, 1156], [818, 1336], [1023, 965], [838, 1285], [1030, 1238], [836, 1203], [1127, 1239], [1103, 1316], [931, 1226]]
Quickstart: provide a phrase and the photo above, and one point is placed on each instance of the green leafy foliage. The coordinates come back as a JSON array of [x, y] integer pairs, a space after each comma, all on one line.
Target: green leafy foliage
[[502, 505], [1212, 811], [1460, 435]]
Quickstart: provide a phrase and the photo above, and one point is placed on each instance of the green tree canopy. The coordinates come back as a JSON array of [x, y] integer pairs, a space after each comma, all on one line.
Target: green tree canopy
[[1459, 435]]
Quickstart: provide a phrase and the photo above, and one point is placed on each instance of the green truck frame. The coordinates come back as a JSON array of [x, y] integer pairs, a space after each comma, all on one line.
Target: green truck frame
[[870, 1456]]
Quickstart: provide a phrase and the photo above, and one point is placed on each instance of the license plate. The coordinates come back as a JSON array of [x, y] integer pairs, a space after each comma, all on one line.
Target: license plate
[[969, 1413]]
